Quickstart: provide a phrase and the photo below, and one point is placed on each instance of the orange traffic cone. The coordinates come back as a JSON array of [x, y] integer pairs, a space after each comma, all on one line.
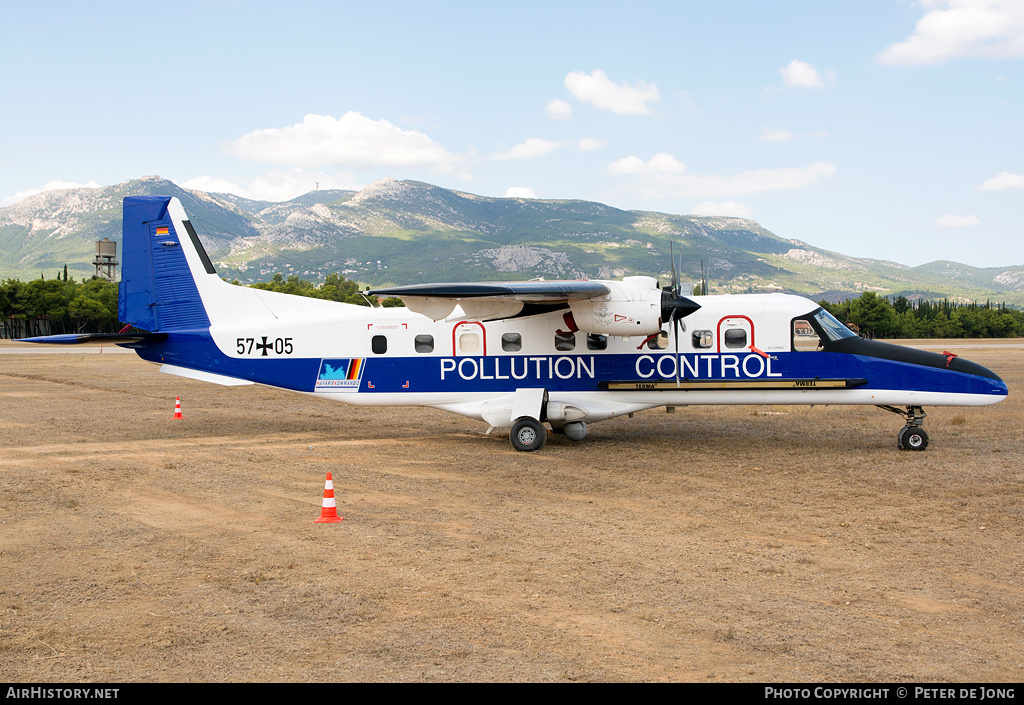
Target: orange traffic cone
[[329, 508], [177, 408]]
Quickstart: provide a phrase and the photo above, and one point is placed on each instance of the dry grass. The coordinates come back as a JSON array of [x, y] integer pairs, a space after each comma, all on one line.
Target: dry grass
[[713, 544]]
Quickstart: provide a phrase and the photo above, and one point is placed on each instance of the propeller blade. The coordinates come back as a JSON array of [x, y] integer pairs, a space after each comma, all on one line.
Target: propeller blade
[[675, 274], [675, 332], [679, 270]]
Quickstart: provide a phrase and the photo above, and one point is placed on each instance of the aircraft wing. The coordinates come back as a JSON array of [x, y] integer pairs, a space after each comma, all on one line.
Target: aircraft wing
[[547, 292], [491, 300]]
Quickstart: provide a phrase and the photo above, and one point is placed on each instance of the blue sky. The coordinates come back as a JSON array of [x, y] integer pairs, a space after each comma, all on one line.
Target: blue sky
[[881, 128]]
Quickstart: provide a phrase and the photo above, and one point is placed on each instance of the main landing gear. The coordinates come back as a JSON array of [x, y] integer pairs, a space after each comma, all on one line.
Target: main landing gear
[[912, 436], [530, 434]]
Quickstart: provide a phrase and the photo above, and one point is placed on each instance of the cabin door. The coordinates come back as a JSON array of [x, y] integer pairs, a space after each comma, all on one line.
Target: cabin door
[[468, 338], [735, 334]]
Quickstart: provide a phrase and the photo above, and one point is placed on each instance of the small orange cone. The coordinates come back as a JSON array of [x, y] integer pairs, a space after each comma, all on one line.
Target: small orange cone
[[177, 408], [329, 508]]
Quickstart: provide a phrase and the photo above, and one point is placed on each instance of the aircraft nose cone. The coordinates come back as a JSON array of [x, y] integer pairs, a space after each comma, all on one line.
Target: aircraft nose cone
[[961, 365]]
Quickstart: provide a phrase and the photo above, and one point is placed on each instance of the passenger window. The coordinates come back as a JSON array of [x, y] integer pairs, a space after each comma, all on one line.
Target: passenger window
[[702, 339], [511, 342], [735, 338], [565, 343], [424, 343], [597, 342], [658, 342], [379, 344], [469, 343], [804, 336]]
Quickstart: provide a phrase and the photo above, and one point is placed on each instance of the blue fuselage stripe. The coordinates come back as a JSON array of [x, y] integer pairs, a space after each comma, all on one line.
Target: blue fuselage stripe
[[557, 373]]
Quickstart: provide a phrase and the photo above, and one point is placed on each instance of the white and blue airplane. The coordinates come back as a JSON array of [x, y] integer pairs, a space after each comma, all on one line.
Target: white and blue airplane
[[516, 355]]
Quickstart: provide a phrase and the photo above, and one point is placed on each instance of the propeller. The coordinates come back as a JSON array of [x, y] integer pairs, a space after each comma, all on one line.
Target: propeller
[[674, 306]]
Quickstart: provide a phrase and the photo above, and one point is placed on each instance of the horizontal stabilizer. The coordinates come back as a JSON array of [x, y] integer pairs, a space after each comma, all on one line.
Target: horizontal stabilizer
[[76, 338]]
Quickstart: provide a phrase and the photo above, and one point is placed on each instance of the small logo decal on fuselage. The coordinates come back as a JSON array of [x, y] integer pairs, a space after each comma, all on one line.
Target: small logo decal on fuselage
[[340, 375]]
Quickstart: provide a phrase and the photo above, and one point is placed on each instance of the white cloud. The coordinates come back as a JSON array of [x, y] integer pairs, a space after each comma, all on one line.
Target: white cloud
[[758, 180], [800, 74], [520, 192], [48, 186], [956, 28], [351, 141], [531, 148], [601, 92], [275, 185], [956, 221], [669, 183], [536, 147], [769, 135], [729, 208], [1002, 181], [783, 135], [660, 163], [558, 110]]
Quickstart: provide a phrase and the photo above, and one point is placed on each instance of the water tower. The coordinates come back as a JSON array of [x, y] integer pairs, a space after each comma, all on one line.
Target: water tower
[[106, 259]]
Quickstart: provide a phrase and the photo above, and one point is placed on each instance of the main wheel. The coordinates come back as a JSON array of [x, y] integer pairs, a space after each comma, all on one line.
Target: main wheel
[[912, 438], [528, 434]]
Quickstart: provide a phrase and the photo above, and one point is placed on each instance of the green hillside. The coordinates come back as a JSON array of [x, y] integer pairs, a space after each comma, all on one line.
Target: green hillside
[[402, 232]]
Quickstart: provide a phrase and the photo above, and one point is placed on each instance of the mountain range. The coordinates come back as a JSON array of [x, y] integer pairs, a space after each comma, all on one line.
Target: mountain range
[[403, 232]]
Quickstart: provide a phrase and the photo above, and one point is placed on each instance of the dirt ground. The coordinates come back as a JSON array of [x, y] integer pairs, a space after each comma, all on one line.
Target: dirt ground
[[762, 544]]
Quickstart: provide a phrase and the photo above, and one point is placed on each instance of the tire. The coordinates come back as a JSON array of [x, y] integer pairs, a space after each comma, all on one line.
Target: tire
[[528, 435], [912, 438]]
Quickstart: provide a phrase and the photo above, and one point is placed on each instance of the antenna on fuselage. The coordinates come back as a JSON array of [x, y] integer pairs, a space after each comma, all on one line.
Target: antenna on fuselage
[[367, 299]]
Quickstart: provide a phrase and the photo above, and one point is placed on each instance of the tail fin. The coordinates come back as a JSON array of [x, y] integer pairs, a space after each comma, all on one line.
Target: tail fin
[[168, 283], [161, 259]]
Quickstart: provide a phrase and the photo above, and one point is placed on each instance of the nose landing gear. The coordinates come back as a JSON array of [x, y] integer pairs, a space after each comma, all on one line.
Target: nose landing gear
[[912, 436]]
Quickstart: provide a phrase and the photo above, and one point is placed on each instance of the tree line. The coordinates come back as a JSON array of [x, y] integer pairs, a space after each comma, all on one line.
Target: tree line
[[334, 288], [879, 317], [60, 305]]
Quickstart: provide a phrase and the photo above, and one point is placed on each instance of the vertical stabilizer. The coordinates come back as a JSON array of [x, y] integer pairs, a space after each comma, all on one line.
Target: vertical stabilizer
[[158, 290]]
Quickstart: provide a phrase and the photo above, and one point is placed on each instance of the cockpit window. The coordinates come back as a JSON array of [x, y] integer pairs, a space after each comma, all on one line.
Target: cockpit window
[[817, 329], [805, 337], [832, 327]]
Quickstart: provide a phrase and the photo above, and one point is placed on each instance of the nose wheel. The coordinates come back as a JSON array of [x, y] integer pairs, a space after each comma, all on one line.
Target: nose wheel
[[912, 436]]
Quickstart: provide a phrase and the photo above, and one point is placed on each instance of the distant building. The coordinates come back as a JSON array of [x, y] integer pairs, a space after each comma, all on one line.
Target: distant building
[[106, 259]]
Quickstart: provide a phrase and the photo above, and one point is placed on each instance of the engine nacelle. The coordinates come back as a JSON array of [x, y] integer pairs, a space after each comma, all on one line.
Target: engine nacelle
[[633, 307]]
